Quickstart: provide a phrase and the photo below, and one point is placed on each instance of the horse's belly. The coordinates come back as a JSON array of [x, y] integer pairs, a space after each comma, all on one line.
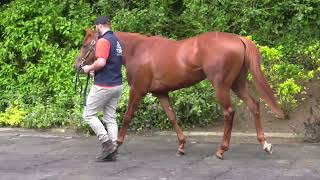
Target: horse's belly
[[174, 81]]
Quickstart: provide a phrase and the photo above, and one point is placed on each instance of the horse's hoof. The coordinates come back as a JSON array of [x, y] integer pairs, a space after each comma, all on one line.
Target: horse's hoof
[[219, 156], [268, 147], [119, 143], [180, 152]]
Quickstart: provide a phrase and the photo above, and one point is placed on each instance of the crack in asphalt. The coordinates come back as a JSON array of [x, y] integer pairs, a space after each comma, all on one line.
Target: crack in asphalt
[[44, 163], [221, 173], [198, 160], [127, 168]]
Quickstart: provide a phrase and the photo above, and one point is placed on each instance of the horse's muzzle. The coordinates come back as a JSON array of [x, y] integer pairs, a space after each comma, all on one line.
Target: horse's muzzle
[[77, 65]]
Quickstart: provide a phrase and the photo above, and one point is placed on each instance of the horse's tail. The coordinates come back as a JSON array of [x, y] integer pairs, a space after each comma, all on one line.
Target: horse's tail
[[252, 60]]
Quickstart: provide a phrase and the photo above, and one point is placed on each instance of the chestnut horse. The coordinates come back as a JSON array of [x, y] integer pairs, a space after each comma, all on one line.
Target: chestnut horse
[[159, 65]]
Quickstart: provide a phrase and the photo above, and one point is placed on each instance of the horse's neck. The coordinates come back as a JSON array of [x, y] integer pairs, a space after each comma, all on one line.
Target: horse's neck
[[129, 40]]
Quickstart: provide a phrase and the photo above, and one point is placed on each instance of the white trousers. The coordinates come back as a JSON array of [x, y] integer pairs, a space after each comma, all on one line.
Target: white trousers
[[103, 99]]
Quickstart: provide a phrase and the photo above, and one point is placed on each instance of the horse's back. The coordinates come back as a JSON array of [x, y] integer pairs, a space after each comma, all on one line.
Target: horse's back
[[175, 64]]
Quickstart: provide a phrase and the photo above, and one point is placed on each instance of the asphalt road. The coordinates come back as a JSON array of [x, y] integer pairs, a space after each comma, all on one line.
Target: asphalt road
[[45, 156]]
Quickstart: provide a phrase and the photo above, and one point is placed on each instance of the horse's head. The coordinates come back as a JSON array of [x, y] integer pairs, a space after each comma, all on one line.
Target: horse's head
[[87, 51]]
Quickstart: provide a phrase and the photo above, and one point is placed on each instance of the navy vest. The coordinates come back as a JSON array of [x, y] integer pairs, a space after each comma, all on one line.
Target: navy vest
[[110, 74]]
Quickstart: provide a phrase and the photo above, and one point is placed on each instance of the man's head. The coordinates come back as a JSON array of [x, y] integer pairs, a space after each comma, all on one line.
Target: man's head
[[102, 24]]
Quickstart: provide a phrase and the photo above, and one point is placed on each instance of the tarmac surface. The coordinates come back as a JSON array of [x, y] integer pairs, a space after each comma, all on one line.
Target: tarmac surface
[[52, 156]]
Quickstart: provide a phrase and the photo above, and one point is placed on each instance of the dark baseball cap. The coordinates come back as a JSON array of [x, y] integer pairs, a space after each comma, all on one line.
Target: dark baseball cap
[[102, 20]]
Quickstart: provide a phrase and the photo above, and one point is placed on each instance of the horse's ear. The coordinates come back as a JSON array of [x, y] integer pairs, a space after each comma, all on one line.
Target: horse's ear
[[84, 32], [88, 31]]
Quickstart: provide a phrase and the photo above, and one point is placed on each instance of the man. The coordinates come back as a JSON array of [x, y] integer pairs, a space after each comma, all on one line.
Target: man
[[106, 91]]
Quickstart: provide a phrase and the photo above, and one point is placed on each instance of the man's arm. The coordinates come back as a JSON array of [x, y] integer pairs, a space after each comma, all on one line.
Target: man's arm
[[98, 64]]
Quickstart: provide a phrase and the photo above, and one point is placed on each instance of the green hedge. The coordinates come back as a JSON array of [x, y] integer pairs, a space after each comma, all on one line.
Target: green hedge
[[40, 39]]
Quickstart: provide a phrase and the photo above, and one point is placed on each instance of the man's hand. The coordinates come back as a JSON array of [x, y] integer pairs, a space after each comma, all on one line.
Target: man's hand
[[86, 69], [98, 64]]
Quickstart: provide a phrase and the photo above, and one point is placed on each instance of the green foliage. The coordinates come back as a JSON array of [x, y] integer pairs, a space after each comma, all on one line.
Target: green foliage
[[13, 116], [42, 116], [286, 92], [153, 19], [197, 105], [40, 39], [284, 76]]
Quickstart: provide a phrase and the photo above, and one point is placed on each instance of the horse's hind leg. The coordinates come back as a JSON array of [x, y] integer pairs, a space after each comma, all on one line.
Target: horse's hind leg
[[166, 105], [240, 89], [223, 96]]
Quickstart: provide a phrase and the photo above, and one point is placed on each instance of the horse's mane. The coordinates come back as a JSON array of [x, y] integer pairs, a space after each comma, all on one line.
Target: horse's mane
[[131, 34], [90, 33], [144, 36]]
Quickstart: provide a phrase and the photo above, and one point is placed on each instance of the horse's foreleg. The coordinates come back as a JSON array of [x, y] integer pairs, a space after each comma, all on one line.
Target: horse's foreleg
[[223, 96], [166, 105], [134, 99]]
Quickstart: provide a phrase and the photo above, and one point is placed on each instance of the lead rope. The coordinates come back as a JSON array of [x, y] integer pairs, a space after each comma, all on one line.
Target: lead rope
[[85, 91], [77, 80]]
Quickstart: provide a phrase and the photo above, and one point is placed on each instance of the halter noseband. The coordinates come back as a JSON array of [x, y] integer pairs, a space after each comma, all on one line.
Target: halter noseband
[[90, 49]]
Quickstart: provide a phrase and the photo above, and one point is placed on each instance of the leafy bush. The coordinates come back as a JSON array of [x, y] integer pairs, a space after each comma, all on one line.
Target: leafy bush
[[13, 116], [284, 76], [40, 41], [286, 92]]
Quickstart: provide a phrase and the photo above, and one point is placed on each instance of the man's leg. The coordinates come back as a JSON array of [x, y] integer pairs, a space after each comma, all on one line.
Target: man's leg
[[94, 104], [109, 116], [96, 100]]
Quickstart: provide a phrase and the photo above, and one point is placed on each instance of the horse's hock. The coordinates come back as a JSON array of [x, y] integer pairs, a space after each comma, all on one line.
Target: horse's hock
[[312, 125]]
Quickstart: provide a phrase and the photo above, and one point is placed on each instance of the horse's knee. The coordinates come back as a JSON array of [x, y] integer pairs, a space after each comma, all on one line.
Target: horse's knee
[[182, 140], [228, 114], [255, 108], [232, 112]]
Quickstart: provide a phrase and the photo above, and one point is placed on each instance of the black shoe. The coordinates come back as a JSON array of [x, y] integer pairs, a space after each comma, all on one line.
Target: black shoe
[[112, 156], [108, 148]]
